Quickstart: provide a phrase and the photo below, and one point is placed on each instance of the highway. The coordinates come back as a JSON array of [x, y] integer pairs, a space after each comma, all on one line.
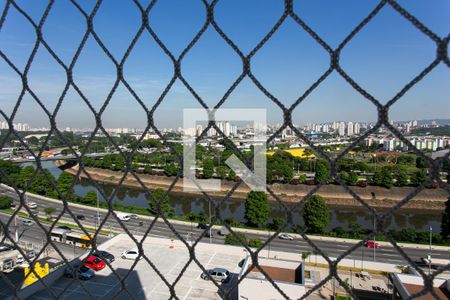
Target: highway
[[386, 254]]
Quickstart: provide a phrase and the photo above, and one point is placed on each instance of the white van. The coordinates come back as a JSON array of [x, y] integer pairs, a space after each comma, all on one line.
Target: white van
[[123, 216]]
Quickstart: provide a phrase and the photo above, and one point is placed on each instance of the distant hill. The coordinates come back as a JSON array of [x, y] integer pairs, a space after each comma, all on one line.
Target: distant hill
[[438, 122]]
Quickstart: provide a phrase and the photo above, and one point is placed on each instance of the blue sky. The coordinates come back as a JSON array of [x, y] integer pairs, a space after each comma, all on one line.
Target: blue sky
[[382, 58]]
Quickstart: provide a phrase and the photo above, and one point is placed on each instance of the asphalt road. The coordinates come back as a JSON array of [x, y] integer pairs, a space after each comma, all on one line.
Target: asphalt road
[[386, 254]]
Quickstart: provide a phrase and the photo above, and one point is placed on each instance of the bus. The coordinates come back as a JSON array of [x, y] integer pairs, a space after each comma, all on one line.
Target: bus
[[72, 238]]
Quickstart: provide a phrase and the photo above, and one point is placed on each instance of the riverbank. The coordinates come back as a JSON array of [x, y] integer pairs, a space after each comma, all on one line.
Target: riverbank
[[428, 199]]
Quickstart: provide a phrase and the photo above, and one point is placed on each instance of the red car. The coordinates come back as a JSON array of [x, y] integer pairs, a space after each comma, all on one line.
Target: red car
[[372, 244], [94, 263]]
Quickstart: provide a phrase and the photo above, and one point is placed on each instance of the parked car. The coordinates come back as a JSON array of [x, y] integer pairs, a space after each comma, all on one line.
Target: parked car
[[130, 254], [104, 255], [31, 254], [81, 217], [94, 263], [20, 259], [64, 227], [202, 226], [285, 236], [27, 223], [371, 244], [223, 231], [32, 205], [81, 272], [218, 274], [134, 216]]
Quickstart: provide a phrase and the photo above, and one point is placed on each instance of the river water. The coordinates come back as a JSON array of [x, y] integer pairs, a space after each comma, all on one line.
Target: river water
[[420, 220]]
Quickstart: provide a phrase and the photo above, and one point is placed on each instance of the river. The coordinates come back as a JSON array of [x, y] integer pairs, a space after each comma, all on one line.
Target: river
[[341, 216]]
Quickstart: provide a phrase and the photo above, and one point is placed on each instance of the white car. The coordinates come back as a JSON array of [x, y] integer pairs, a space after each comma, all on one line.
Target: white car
[[130, 254], [32, 205], [27, 222], [285, 236], [218, 274]]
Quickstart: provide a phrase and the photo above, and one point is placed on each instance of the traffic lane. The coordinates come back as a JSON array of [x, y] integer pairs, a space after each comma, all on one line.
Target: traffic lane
[[161, 229], [36, 235], [334, 249]]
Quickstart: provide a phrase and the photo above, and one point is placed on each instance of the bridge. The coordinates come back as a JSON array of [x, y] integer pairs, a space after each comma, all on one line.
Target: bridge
[[58, 157]]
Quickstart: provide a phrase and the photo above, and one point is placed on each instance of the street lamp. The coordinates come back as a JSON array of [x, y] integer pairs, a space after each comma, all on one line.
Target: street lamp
[[374, 238], [210, 225], [429, 254]]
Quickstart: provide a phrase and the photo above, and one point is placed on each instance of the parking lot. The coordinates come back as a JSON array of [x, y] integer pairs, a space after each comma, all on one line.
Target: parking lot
[[143, 282]]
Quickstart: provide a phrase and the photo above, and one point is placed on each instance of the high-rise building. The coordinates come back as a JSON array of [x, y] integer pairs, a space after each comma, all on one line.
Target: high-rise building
[[350, 128], [199, 130], [335, 126], [356, 128], [341, 129], [408, 127], [227, 128]]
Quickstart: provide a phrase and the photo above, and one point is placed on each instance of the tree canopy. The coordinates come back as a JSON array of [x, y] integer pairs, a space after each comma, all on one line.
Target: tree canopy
[[256, 208], [316, 214]]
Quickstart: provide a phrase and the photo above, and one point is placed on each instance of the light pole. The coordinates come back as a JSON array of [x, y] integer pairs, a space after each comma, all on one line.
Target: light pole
[[362, 259], [429, 254], [98, 214], [374, 239], [17, 229], [210, 225]]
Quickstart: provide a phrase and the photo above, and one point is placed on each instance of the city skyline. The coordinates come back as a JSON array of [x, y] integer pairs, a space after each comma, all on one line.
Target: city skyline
[[380, 63]]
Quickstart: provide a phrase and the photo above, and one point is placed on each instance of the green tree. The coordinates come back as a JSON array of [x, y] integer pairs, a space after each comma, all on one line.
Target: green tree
[[170, 169], [321, 170], [316, 214], [401, 178], [231, 175], [256, 208], [25, 176], [230, 239], [147, 169], [42, 185], [419, 177], [383, 178], [89, 198], [445, 223], [10, 172], [277, 223], [64, 185], [49, 211], [208, 168], [222, 172], [305, 255], [421, 163], [255, 243], [5, 202], [352, 178], [160, 203]]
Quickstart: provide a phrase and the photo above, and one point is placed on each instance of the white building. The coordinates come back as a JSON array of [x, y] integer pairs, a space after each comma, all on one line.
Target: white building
[[341, 129], [350, 128], [356, 128]]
